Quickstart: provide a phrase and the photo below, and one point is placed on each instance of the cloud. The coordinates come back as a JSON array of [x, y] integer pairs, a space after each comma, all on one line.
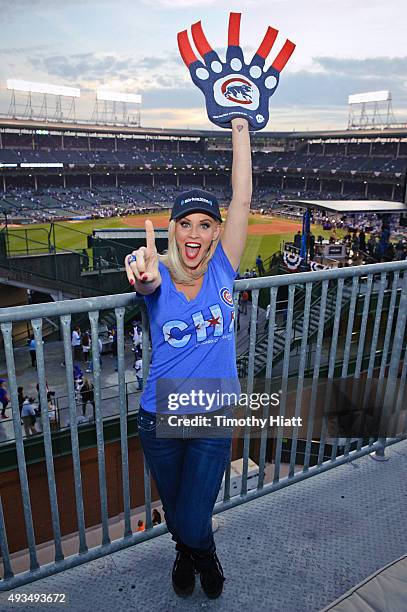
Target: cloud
[[24, 50], [81, 65], [12, 11], [220, 4], [376, 67], [194, 117], [317, 94], [112, 69], [179, 4], [306, 88]]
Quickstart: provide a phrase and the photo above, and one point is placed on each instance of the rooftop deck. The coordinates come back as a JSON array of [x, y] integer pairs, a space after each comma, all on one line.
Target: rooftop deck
[[296, 549], [293, 549]]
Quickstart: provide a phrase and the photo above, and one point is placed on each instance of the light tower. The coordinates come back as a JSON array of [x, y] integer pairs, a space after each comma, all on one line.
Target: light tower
[[117, 108], [370, 110], [31, 100]]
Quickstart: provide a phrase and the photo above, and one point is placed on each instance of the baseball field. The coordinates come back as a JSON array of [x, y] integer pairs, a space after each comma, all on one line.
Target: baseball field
[[265, 234]]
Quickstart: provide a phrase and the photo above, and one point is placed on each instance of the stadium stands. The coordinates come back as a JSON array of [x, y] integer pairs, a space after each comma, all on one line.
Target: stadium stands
[[115, 173]]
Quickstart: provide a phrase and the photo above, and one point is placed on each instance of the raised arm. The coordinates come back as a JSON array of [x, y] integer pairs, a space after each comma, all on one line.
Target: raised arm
[[235, 230]]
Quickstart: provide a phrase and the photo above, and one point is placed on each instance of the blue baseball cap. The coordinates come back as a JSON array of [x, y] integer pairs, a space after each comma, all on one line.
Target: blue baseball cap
[[196, 200]]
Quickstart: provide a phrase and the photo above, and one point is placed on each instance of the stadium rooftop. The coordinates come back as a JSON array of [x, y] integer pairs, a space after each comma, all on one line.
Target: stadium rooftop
[[83, 126], [351, 206]]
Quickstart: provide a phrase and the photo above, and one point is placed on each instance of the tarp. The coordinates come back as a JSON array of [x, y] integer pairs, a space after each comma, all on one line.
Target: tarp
[[383, 591], [350, 206]]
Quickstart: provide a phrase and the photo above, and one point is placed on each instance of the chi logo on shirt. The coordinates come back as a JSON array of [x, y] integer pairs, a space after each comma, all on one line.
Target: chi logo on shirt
[[198, 327], [226, 296]]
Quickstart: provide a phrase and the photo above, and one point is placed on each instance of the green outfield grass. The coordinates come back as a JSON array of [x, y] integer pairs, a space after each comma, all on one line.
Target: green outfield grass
[[73, 237], [261, 245]]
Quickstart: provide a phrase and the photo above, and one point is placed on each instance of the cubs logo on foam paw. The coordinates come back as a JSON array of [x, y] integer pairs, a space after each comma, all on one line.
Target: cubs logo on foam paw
[[234, 88]]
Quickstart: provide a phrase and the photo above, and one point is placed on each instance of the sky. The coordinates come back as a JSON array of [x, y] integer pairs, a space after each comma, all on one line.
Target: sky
[[345, 47]]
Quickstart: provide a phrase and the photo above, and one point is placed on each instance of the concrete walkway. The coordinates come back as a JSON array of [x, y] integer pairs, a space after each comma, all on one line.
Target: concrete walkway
[[295, 550]]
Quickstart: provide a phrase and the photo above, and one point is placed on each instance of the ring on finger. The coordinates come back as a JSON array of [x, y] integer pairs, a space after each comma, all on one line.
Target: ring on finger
[[131, 258]]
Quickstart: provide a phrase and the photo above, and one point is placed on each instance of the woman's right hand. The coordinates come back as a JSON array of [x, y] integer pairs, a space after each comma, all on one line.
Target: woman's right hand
[[145, 267]]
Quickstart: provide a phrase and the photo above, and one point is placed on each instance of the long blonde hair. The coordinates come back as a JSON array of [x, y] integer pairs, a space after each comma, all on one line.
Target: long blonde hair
[[173, 262]]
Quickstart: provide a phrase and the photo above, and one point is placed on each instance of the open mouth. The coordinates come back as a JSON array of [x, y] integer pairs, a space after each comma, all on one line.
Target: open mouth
[[192, 250]]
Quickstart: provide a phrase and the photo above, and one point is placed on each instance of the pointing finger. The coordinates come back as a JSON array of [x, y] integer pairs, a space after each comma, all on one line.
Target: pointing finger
[[150, 235]]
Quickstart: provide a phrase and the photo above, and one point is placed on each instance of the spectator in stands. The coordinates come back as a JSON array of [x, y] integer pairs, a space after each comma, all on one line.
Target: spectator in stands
[[28, 417], [355, 243], [297, 240], [140, 526], [378, 251], [4, 398], [273, 262], [76, 343], [389, 253], [156, 517], [311, 246], [87, 395], [362, 241], [399, 250], [113, 338], [21, 398], [31, 348], [77, 377], [243, 300], [86, 345], [332, 237], [138, 366], [136, 335], [371, 245], [260, 265]]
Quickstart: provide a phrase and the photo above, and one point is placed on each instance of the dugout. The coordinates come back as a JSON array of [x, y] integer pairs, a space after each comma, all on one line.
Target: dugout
[[110, 246], [382, 208]]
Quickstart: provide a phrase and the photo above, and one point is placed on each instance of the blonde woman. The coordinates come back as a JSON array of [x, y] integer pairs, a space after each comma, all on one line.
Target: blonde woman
[[188, 294]]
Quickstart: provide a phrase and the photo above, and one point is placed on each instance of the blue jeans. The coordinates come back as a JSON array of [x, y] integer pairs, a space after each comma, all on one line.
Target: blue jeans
[[188, 473]]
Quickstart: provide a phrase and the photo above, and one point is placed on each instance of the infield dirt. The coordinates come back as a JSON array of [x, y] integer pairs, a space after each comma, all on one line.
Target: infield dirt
[[267, 226]]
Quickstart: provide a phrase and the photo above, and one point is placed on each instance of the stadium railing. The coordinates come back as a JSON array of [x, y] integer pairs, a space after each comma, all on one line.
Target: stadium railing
[[393, 370]]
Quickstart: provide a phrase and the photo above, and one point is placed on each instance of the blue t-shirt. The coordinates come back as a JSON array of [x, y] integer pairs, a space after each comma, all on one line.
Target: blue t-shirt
[[193, 342]]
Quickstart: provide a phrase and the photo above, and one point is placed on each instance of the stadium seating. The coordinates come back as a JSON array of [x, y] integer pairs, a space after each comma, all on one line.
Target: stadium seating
[[105, 175]]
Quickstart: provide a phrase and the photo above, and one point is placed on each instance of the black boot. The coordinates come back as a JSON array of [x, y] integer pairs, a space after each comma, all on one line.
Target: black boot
[[211, 573], [183, 572]]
